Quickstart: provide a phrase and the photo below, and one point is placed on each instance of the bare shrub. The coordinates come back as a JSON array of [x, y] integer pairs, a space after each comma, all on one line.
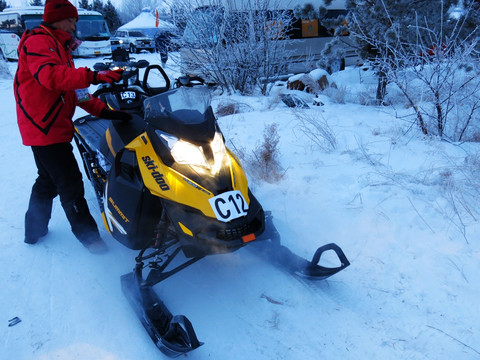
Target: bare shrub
[[366, 98], [443, 95], [226, 108], [264, 163], [337, 94], [315, 127]]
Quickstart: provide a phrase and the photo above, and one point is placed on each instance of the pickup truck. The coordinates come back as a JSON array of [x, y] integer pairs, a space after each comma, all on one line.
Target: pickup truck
[[133, 40]]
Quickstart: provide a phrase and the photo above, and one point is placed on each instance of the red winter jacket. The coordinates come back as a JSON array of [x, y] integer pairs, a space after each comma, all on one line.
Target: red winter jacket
[[44, 86]]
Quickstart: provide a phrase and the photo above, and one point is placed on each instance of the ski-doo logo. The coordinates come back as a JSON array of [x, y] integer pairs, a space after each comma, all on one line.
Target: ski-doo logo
[[158, 177]]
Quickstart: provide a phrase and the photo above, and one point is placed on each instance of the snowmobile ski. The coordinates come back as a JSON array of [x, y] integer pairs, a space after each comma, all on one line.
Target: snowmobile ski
[[173, 335], [268, 246]]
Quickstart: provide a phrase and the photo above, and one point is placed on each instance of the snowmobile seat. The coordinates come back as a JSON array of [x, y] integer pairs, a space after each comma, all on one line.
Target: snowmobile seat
[[92, 129]]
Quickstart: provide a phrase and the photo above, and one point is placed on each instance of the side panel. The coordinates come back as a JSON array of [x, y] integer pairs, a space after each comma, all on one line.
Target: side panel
[[131, 213], [89, 48], [239, 180], [8, 45]]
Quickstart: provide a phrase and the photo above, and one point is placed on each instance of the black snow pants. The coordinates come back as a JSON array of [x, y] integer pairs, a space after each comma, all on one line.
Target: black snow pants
[[58, 174]]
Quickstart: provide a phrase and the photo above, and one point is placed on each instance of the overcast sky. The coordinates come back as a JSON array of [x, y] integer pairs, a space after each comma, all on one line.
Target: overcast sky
[[21, 3], [117, 3]]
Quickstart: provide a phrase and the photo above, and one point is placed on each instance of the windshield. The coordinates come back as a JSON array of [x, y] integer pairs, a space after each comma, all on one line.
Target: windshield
[[89, 27], [92, 28], [137, 34], [32, 21], [187, 105]]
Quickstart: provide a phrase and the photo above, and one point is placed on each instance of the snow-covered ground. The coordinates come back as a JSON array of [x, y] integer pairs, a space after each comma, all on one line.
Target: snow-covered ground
[[403, 208]]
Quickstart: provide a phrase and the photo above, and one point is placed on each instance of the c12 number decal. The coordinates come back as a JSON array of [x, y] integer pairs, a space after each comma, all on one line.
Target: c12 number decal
[[229, 205]]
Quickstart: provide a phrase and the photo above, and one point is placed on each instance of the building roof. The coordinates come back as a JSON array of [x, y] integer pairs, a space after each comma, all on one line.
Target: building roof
[[146, 22]]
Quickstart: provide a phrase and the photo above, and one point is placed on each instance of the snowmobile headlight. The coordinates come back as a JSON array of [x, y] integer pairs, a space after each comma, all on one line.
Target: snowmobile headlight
[[219, 151], [184, 152]]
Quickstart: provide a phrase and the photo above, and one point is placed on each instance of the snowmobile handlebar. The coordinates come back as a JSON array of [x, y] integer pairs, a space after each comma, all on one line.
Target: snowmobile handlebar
[[188, 81], [117, 88], [120, 64], [130, 68], [191, 81], [131, 78]]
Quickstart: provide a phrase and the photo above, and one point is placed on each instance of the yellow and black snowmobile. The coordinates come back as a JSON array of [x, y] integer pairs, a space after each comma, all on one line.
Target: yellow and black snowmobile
[[168, 186]]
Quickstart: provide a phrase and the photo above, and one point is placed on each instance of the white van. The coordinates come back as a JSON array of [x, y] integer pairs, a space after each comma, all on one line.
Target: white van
[[92, 30], [8, 45]]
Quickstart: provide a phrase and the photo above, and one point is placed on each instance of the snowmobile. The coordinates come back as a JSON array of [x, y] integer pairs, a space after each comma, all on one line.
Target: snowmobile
[[168, 186]]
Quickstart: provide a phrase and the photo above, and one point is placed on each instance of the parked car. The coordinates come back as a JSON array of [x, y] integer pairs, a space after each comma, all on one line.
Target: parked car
[[171, 38], [116, 43], [132, 40]]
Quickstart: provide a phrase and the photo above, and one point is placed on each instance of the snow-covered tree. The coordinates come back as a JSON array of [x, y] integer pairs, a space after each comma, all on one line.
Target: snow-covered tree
[[131, 9], [428, 50], [97, 5], [3, 5], [307, 11], [83, 4], [111, 16], [377, 24], [236, 46]]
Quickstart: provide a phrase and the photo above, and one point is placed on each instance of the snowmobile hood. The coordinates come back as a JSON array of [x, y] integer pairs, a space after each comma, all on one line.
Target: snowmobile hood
[[185, 112]]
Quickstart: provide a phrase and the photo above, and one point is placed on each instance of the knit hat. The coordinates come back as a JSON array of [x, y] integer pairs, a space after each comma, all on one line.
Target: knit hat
[[57, 10]]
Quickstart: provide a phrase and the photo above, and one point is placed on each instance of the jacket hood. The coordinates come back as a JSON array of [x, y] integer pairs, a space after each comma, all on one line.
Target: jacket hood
[[61, 36]]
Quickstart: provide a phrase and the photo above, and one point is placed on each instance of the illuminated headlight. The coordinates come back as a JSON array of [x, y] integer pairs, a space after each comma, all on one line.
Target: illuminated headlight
[[120, 41], [219, 151], [193, 155]]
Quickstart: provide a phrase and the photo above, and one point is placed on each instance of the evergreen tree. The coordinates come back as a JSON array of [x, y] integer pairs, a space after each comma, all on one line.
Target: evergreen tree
[[111, 16], [83, 4], [98, 6], [3, 5], [131, 9], [307, 12]]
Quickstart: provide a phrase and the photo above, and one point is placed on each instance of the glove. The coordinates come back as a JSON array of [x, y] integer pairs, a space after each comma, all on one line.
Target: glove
[[106, 76], [115, 115]]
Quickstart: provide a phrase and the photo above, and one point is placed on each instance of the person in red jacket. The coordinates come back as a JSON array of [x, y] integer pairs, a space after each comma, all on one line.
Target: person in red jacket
[[47, 89]]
